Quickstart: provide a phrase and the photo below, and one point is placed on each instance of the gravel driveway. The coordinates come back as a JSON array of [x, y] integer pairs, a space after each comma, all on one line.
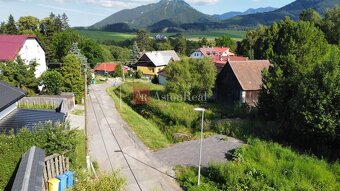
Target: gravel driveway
[[215, 148]]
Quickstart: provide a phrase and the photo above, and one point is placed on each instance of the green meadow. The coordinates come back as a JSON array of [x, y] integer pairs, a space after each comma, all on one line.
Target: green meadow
[[116, 36]]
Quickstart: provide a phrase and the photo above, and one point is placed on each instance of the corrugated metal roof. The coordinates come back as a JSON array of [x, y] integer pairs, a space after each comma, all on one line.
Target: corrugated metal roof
[[10, 45], [29, 118], [9, 95], [249, 73], [158, 59], [170, 53], [162, 58], [29, 176]]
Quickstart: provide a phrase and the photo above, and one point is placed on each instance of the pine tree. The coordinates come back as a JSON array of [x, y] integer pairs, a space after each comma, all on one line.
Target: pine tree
[[72, 75], [64, 22], [11, 27], [135, 52]]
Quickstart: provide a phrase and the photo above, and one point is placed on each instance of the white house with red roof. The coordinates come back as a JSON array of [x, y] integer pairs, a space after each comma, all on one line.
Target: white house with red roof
[[211, 52], [107, 68], [27, 47]]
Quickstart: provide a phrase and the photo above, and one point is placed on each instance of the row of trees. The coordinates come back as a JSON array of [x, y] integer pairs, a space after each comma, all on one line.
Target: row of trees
[[302, 89], [191, 76], [178, 43], [32, 25]]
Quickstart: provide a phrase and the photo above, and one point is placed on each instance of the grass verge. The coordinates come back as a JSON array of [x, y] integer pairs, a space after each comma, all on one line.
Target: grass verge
[[264, 166], [145, 130]]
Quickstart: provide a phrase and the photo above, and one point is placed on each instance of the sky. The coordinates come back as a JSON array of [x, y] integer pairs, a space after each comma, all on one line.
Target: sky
[[88, 12]]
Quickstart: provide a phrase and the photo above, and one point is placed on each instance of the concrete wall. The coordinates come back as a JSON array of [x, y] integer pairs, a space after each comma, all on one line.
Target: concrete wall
[[32, 51]]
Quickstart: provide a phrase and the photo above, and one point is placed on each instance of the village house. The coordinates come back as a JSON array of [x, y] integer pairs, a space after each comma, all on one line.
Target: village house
[[153, 62], [240, 82], [219, 56], [107, 68], [211, 52], [27, 47], [14, 118]]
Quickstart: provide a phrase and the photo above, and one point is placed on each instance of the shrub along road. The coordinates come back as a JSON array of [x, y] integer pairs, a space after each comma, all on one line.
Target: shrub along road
[[108, 134]]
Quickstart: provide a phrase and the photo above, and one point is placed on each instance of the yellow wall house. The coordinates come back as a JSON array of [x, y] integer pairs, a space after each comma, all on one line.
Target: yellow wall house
[[153, 62]]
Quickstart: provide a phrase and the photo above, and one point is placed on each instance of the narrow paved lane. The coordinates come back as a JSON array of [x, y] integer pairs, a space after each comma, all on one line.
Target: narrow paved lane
[[108, 135]]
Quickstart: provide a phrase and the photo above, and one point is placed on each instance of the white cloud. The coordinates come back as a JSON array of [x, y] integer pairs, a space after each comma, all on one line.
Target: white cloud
[[120, 4], [203, 1]]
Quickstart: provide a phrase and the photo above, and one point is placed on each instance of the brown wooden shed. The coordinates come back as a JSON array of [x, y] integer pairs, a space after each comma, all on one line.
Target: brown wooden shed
[[240, 82]]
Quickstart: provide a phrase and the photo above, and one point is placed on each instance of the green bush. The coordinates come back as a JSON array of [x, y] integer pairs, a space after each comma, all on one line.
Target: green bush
[[264, 166], [52, 138], [110, 182], [139, 74]]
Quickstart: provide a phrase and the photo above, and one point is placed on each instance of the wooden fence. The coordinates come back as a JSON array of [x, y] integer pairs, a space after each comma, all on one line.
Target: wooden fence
[[54, 165]]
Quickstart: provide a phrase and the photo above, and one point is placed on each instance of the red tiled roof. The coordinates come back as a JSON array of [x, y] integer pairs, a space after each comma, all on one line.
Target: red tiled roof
[[10, 45], [221, 49], [108, 67], [224, 59], [248, 73]]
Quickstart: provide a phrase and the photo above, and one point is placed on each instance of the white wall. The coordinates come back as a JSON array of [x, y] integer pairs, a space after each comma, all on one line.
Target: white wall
[[196, 55], [32, 51], [8, 110]]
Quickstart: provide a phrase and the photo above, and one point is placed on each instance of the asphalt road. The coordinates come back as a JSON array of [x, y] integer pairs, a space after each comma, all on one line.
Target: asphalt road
[[114, 146], [216, 148]]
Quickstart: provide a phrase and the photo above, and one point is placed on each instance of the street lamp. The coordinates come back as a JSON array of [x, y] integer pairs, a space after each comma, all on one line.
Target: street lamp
[[200, 159]]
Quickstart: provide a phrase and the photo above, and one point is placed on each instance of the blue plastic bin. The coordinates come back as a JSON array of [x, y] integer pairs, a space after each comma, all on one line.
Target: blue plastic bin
[[62, 183], [70, 176]]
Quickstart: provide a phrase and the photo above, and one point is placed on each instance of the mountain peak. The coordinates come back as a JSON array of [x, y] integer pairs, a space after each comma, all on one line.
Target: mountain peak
[[175, 11]]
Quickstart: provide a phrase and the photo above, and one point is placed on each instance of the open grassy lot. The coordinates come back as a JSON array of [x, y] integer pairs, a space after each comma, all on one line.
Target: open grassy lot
[[210, 35], [148, 132], [161, 122], [103, 36], [264, 166]]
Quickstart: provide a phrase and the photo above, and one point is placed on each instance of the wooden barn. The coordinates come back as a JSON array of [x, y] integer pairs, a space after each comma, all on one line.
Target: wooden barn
[[240, 82]]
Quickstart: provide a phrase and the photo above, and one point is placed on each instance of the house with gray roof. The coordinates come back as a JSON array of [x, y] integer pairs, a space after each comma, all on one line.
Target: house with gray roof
[[14, 118], [153, 62]]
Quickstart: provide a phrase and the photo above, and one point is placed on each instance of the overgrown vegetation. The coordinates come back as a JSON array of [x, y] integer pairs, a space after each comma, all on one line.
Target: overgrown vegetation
[[301, 91], [175, 121], [148, 132], [263, 166], [111, 181], [53, 138]]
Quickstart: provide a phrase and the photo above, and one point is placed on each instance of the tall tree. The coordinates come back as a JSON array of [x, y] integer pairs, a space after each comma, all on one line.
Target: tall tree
[[64, 22], [135, 53], [11, 27], [28, 25], [225, 41], [71, 71], [2, 27], [191, 76], [330, 25], [143, 40], [311, 16], [180, 44]]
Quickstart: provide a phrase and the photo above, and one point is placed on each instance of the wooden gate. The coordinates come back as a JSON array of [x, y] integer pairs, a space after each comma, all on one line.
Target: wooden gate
[[54, 165]]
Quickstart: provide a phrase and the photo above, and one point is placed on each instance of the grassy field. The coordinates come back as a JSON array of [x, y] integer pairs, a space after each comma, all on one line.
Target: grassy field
[[161, 122], [264, 166], [103, 36], [149, 133], [210, 35]]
